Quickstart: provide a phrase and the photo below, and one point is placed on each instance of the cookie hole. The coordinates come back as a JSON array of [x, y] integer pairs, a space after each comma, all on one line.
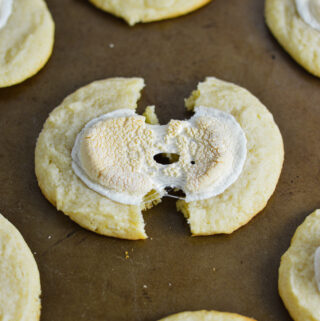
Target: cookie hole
[[175, 192], [166, 158], [192, 162]]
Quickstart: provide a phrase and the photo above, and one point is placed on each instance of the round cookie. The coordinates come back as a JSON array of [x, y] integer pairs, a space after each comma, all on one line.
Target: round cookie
[[56, 177], [134, 11], [206, 316], [298, 38], [249, 194], [221, 214], [19, 277], [26, 41], [297, 282]]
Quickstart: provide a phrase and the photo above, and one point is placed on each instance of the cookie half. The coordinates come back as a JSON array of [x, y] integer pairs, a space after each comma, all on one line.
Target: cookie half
[[134, 11], [53, 162], [26, 41], [249, 194], [206, 316], [298, 286], [221, 214], [297, 37], [19, 277]]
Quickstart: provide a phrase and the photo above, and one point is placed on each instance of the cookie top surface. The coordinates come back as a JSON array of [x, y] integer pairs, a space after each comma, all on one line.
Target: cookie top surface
[[5, 11], [26, 41], [298, 286], [206, 316], [298, 38], [19, 277], [220, 214], [317, 267], [134, 11]]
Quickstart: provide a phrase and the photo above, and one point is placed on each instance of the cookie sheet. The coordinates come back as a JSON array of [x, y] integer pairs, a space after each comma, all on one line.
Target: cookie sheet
[[85, 276]]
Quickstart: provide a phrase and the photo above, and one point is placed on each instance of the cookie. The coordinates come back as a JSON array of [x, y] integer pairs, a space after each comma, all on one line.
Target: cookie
[[295, 32], [117, 155], [299, 281], [26, 40], [66, 190], [19, 277], [206, 316], [134, 11]]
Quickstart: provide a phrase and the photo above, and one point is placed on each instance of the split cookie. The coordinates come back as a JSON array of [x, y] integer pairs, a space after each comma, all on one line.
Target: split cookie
[[299, 272], [19, 277], [296, 25], [206, 316], [95, 158], [26, 39], [134, 11]]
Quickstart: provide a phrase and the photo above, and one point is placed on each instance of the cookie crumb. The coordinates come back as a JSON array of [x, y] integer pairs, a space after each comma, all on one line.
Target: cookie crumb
[[214, 269], [49, 237], [170, 284], [111, 45], [145, 286]]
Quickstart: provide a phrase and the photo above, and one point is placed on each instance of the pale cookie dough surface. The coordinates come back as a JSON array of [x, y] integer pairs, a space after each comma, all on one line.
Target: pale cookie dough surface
[[19, 277], [56, 177], [206, 316], [26, 41], [297, 283], [220, 214], [134, 11], [298, 38], [249, 194]]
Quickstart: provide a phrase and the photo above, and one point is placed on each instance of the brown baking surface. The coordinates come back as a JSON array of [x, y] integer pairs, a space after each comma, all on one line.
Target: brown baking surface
[[86, 276]]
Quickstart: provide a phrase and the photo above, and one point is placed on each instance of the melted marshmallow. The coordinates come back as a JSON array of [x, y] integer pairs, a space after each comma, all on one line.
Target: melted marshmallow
[[156, 4], [114, 155], [317, 266], [5, 11], [309, 11]]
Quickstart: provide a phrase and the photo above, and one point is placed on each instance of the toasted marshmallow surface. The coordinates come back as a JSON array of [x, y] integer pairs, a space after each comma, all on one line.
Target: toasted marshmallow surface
[[309, 11], [114, 155], [26, 39], [5, 11], [108, 155]]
